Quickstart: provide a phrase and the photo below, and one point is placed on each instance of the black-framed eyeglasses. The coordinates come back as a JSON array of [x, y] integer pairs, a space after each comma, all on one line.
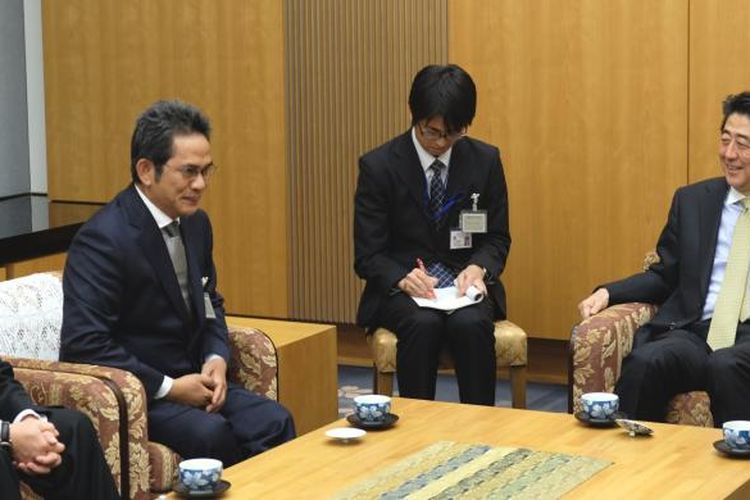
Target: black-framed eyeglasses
[[191, 172], [432, 134]]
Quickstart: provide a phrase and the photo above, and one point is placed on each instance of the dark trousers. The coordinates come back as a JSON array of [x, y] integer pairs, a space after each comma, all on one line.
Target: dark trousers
[[680, 361], [83, 473], [246, 425], [468, 333]]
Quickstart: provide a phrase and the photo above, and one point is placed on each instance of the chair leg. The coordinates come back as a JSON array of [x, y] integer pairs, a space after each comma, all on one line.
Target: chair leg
[[383, 383], [518, 386]]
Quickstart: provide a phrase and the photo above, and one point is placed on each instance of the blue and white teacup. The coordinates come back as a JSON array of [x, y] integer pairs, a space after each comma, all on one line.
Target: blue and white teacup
[[201, 474], [372, 408], [600, 405], [737, 434]]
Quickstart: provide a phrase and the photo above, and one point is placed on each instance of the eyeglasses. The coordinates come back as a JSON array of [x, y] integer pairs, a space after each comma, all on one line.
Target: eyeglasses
[[191, 172], [432, 134]]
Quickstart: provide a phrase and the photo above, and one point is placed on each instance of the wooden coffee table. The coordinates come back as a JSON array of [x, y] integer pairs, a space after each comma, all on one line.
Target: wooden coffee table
[[676, 462]]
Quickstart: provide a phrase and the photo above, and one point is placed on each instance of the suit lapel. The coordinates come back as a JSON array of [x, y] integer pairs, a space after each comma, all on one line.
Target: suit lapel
[[155, 250], [409, 169], [711, 207], [189, 238], [459, 176]]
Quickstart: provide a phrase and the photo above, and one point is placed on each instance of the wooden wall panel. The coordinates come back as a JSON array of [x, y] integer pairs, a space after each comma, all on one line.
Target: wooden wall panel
[[719, 38], [587, 101], [349, 67], [106, 60]]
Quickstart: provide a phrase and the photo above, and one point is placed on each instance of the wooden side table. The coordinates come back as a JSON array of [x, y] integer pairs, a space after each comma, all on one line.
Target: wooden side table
[[308, 374]]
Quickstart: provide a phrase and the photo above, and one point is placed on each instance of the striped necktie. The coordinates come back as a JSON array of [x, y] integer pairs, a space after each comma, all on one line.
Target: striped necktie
[[731, 304], [437, 192]]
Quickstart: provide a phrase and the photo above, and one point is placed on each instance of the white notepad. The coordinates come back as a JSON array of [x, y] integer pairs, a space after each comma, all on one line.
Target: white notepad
[[447, 299]]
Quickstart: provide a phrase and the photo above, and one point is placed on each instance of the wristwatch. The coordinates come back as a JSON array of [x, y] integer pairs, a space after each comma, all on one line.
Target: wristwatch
[[5, 442]]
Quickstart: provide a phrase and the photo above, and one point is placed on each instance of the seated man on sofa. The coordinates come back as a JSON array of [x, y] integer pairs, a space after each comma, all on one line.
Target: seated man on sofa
[[140, 295], [53, 450], [700, 337]]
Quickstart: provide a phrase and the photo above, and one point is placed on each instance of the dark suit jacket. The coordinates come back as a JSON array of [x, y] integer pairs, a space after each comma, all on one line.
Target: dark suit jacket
[[392, 225], [686, 247], [13, 397], [122, 302]]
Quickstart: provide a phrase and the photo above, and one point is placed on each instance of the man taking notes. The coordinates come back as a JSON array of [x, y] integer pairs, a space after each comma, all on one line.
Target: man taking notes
[[431, 208], [140, 294], [700, 337]]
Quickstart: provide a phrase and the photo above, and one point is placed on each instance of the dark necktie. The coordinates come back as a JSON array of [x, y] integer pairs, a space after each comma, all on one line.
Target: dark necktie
[[437, 192], [176, 250]]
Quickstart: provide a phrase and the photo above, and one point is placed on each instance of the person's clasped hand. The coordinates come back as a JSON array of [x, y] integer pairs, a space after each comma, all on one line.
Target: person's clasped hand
[[36, 450], [216, 370]]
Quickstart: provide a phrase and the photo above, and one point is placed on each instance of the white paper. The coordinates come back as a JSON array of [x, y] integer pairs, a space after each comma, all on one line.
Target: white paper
[[447, 299]]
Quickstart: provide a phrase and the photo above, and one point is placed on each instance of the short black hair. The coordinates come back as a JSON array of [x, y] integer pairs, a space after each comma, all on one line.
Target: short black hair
[[156, 128], [737, 103], [446, 91]]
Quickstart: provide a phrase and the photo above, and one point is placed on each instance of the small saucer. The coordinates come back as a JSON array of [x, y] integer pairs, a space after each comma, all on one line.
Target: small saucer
[[634, 428], [723, 447], [183, 490], [345, 434], [599, 422], [388, 421]]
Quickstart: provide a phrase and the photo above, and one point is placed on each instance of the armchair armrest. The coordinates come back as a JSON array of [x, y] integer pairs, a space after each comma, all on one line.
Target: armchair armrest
[[598, 346], [254, 361], [113, 399]]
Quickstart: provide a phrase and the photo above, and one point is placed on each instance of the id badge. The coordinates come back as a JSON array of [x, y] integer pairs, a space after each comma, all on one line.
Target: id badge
[[460, 239], [210, 313], [473, 221]]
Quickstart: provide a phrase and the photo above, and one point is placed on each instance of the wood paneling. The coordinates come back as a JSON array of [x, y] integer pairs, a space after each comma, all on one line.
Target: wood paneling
[[350, 65], [719, 38], [106, 60], [587, 102], [55, 262]]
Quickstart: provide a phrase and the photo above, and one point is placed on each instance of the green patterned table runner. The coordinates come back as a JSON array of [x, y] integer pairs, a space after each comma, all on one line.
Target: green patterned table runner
[[448, 470]]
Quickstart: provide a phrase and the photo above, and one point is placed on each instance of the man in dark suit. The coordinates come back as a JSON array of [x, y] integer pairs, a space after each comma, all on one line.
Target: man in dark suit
[[679, 350], [53, 450], [140, 294], [408, 240]]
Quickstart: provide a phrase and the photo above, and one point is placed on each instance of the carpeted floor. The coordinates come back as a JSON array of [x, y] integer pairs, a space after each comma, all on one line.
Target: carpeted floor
[[355, 380]]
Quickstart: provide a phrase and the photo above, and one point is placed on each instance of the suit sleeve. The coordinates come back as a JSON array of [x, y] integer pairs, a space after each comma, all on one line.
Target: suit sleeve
[[657, 283], [492, 251], [92, 290], [13, 397], [372, 232]]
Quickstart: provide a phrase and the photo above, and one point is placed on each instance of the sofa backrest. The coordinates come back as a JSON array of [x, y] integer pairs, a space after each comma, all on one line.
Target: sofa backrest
[[31, 316]]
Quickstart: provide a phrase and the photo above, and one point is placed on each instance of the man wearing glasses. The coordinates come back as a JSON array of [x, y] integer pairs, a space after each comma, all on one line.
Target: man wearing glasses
[[431, 211], [140, 294]]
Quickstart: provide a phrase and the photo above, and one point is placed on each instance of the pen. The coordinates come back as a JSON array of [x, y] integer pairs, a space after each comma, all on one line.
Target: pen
[[420, 265]]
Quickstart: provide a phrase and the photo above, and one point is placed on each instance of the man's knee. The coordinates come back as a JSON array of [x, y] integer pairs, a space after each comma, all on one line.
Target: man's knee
[[721, 365], [213, 433]]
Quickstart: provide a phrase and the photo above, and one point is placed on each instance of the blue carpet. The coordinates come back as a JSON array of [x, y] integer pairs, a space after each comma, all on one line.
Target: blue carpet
[[355, 380]]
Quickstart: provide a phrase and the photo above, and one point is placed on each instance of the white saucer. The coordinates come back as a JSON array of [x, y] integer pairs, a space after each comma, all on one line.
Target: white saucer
[[345, 433]]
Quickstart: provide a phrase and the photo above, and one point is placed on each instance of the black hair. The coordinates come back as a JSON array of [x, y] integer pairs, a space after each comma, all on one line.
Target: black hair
[[446, 91], [156, 128], [737, 103]]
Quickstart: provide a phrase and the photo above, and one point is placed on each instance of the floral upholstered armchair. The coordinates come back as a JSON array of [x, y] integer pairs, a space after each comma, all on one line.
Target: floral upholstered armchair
[[114, 400], [598, 346]]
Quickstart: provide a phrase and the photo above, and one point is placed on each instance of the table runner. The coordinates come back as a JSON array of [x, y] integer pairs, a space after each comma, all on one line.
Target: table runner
[[447, 470]]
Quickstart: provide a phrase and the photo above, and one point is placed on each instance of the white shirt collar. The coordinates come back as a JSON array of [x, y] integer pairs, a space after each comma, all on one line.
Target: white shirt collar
[[425, 158], [733, 196], [162, 219]]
